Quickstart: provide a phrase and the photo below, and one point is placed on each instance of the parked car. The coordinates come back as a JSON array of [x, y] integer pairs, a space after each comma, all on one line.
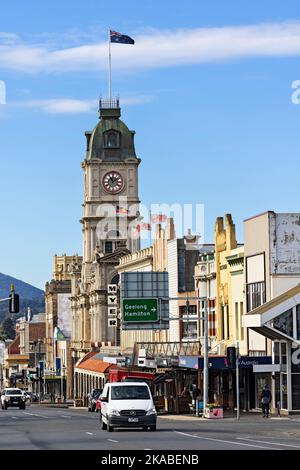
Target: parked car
[[126, 405], [92, 398], [28, 396], [13, 397]]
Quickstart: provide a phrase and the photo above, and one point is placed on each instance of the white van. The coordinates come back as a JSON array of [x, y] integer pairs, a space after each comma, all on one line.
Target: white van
[[126, 405]]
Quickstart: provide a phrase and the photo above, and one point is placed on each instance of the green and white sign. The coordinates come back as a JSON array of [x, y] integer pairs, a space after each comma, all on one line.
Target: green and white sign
[[140, 310]]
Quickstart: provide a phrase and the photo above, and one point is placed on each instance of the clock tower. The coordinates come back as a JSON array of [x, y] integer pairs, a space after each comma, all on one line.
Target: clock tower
[[110, 212]]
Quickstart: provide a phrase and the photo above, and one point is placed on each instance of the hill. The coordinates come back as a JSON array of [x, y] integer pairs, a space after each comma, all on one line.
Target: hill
[[30, 296]]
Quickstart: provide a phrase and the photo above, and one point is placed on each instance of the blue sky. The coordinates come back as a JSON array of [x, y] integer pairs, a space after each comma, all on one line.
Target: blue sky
[[207, 87]]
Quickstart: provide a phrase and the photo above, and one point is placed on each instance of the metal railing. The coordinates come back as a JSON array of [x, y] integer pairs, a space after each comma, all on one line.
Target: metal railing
[[170, 349], [109, 104]]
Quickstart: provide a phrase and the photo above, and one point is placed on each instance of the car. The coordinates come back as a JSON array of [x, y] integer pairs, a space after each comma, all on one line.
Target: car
[[13, 397], [127, 405], [28, 396], [92, 397]]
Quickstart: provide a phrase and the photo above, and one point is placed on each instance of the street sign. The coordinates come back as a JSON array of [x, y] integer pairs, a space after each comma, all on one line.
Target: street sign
[[113, 322], [140, 310]]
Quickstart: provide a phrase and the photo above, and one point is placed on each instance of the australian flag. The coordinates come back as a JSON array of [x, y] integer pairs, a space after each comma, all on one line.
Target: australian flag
[[121, 38]]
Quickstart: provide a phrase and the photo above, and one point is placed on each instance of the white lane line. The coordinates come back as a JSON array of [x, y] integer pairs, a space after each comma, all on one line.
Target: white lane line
[[89, 433], [220, 440], [14, 417], [266, 442], [64, 416], [147, 449], [33, 414], [112, 440]]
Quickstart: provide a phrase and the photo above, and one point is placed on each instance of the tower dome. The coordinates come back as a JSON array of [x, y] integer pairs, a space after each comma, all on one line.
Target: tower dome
[[111, 140]]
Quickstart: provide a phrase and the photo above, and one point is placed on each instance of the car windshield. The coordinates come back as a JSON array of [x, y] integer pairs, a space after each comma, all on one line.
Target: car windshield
[[13, 392], [96, 393], [130, 392]]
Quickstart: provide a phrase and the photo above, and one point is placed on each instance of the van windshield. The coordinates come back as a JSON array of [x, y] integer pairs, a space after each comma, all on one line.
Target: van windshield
[[13, 392], [130, 392]]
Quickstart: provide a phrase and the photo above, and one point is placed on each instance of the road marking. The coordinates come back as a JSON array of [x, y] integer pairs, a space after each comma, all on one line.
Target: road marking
[[33, 414], [14, 417], [112, 440], [266, 442], [147, 449], [89, 433], [64, 416], [220, 440]]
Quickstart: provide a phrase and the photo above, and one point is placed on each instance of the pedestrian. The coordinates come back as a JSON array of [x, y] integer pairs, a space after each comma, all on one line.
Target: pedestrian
[[278, 405], [266, 398]]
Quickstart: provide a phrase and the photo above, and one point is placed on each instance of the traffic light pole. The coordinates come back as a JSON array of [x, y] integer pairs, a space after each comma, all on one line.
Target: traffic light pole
[[237, 383]]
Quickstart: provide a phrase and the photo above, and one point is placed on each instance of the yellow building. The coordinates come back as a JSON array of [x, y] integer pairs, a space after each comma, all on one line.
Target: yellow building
[[229, 262]]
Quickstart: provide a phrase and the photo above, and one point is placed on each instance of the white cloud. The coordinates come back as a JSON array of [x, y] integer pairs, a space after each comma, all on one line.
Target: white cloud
[[72, 106], [155, 48]]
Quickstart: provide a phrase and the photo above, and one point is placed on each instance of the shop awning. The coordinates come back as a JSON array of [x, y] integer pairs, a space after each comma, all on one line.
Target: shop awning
[[274, 318]]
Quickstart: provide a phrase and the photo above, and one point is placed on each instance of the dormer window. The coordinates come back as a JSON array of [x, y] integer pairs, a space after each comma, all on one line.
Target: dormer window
[[112, 139]]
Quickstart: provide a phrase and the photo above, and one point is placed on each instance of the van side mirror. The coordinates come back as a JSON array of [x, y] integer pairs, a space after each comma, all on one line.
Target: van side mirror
[[104, 399]]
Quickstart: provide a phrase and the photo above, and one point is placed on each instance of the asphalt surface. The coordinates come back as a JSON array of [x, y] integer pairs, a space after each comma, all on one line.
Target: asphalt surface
[[47, 428]]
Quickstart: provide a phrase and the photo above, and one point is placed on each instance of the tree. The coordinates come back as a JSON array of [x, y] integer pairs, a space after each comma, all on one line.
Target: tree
[[8, 329]]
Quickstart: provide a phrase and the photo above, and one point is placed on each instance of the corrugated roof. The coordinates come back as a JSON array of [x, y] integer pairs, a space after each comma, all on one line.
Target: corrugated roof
[[96, 365]]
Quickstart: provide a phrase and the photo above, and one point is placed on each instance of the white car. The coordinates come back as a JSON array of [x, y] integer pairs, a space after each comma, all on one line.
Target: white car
[[12, 397], [125, 405]]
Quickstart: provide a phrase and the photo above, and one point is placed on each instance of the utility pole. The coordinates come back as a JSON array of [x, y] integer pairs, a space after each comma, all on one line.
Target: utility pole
[[205, 359], [237, 382]]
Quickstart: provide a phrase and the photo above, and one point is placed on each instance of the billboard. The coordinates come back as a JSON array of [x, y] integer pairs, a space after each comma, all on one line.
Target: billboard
[[64, 316]]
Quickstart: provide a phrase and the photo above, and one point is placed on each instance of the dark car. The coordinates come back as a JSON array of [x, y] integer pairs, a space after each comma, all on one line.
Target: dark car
[[92, 398]]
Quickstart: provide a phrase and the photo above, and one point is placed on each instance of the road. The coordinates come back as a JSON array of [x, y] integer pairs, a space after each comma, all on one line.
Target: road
[[47, 428]]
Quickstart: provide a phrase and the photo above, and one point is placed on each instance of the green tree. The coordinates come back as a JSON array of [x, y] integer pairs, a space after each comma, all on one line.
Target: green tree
[[8, 329]]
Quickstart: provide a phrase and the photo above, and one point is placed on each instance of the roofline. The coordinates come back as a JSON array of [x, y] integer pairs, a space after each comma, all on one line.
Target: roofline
[[258, 215]]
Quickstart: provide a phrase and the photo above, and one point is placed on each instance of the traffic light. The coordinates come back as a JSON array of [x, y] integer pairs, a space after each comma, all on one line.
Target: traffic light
[[231, 357], [14, 303]]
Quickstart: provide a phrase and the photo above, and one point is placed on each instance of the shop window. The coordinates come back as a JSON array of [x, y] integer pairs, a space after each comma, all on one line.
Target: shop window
[[276, 352], [295, 359], [284, 323], [298, 321], [284, 391], [296, 391]]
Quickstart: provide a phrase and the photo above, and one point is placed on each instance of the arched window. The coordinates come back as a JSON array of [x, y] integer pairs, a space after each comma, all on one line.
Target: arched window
[[112, 139]]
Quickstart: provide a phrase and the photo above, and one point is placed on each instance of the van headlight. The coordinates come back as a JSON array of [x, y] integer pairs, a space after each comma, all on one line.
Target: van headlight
[[114, 413], [152, 411]]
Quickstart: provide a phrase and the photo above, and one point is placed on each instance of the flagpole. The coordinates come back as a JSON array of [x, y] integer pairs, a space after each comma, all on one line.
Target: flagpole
[[109, 66]]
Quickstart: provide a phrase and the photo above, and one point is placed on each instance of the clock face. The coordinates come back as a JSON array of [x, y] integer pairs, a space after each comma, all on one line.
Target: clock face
[[113, 182]]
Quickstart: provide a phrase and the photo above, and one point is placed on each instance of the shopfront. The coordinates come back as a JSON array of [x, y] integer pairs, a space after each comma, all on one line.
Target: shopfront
[[279, 320]]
